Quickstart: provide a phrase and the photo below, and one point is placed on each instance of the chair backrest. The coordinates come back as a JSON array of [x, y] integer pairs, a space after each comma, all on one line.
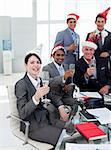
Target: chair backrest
[[12, 100], [15, 124]]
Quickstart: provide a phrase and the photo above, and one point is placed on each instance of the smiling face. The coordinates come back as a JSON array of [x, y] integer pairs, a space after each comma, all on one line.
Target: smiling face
[[71, 23], [33, 66], [88, 52], [100, 22], [59, 56]]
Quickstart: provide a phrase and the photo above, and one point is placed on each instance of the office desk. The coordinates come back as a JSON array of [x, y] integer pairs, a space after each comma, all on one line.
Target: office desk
[[103, 116]]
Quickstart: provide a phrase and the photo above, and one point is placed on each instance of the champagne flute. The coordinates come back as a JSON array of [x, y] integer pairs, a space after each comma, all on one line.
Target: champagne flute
[[45, 80], [72, 67], [93, 64]]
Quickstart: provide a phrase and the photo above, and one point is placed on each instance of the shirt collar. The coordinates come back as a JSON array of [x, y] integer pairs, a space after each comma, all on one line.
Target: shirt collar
[[34, 82], [57, 66], [72, 32], [97, 31], [87, 61]]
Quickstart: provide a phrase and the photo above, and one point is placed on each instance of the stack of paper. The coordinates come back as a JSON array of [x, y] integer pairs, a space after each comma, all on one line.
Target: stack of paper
[[72, 146], [103, 115]]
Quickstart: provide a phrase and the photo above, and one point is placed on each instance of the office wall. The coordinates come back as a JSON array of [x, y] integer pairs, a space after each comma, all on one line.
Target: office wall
[[22, 33], [5, 34], [23, 39]]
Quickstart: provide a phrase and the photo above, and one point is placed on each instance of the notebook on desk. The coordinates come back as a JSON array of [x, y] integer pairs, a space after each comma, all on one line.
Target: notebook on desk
[[90, 131]]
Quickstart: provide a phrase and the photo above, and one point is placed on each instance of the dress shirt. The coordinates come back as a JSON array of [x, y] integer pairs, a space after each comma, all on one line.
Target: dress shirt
[[103, 34], [75, 39], [36, 84], [60, 68]]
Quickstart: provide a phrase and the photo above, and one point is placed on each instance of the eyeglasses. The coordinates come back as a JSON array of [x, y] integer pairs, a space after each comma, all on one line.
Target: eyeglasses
[[72, 21], [60, 55]]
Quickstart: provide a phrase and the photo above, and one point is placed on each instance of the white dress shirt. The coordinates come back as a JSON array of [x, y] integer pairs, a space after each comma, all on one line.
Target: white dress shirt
[[36, 84], [60, 68]]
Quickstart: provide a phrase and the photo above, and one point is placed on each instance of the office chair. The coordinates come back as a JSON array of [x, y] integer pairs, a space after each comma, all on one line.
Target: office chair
[[15, 124]]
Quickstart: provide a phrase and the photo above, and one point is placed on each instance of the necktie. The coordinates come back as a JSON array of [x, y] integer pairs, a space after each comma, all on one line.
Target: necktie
[[100, 40], [100, 36], [61, 70]]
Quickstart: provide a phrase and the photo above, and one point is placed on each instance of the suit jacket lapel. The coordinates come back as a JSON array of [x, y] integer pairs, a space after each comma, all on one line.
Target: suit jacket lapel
[[31, 86], [55, 71]]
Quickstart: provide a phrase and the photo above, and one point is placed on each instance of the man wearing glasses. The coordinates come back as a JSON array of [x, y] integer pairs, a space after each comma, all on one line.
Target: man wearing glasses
[[70, 40]]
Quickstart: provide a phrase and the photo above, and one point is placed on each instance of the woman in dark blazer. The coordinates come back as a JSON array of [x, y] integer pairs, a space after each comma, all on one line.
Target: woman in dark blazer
[[29, 91]]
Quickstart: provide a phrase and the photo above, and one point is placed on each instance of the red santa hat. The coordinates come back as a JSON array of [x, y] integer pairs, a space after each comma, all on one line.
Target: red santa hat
[[104, 13], [89, 44], [73, 16], [57, 47]]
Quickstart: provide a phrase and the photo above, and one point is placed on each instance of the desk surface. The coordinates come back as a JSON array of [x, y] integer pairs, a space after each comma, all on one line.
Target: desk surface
[[103, 115]]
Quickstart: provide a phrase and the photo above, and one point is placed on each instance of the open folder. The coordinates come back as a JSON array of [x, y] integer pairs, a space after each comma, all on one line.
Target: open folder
[[87, 95]]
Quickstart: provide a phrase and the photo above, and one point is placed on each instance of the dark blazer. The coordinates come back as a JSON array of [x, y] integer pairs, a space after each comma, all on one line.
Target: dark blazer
[[56, 94], [38, 116], [106, 47], [103, 76], [65, 38]]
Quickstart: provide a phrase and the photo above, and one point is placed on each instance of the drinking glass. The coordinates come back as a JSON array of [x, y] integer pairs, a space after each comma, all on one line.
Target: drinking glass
[[93, 64], [45, 80], [72, 67]]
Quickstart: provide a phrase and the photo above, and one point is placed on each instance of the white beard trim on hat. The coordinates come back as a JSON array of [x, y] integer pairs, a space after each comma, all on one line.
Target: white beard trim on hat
[[89, 44]]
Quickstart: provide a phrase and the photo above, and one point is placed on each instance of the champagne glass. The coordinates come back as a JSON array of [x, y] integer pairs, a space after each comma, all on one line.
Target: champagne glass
[[72, 67], [45, 80], [93, 64]]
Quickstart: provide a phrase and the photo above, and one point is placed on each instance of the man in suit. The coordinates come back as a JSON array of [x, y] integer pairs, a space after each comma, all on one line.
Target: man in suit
[[90, 74], [29, 91], [60, 79], [70, 40], [102, 38]]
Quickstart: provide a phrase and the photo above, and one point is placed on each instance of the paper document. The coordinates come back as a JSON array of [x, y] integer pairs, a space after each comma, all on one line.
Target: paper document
[[107, 98], [90, 94], [103, 115], [72, 146]]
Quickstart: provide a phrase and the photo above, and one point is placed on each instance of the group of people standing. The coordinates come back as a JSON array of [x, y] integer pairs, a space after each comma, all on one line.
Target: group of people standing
[[92, 72], [96, 49]]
